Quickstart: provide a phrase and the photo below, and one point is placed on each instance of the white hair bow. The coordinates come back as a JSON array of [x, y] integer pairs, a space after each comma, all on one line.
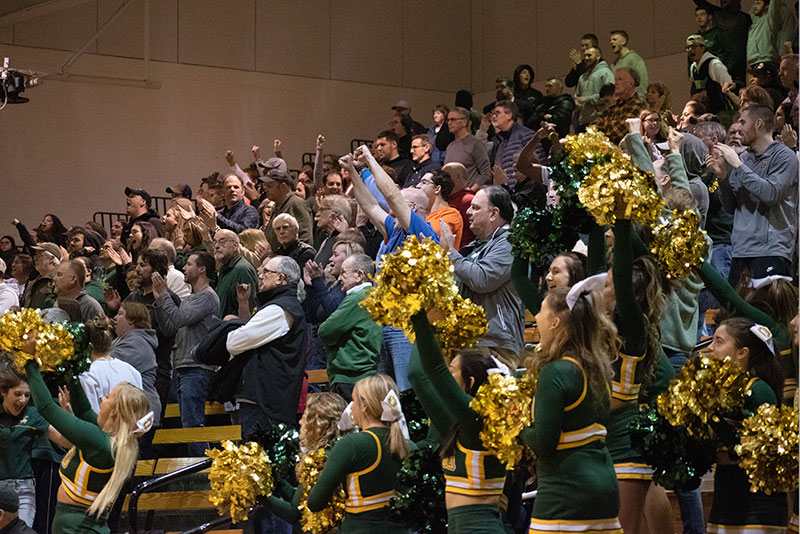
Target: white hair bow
[[764, 334], [393, 412], [346, 421], [761, 282], [593, 283], [499, 367], [144, 424]]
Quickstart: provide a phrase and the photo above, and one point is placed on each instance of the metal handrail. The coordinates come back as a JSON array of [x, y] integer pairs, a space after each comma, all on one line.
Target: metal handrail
[[355, 143], [111, 215], [154, 483], [218, 522]]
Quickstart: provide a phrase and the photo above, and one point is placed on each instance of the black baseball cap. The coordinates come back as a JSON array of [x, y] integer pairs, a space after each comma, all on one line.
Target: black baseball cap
[[129, 192]]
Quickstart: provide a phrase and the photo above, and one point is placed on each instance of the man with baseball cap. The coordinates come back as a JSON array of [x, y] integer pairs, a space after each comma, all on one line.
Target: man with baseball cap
[[10, 523], [706, 73], [40, 292], [765, 75], [279, 187], [404, 108], [137, 206]]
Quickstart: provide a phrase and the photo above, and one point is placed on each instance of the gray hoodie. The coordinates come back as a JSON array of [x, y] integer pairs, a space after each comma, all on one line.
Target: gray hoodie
[[137, 348]]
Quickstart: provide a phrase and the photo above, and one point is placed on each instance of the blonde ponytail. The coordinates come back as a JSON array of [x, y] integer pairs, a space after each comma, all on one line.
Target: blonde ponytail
[[372, 390], [132, 405]]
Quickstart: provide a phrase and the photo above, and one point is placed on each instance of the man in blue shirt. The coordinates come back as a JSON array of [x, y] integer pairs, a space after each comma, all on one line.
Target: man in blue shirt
[[410, 208]]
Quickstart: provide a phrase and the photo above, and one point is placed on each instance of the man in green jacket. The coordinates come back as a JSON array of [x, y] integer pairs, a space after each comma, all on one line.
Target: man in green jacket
[[233, 270], [352, 338]]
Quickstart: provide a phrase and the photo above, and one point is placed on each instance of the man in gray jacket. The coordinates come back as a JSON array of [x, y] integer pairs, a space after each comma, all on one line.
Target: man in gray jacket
[[761, 190], [189, 322], [589, 105], [485, 273]]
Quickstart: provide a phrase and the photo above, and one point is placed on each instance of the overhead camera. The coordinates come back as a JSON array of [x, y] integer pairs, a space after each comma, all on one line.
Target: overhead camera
[[13, 83]]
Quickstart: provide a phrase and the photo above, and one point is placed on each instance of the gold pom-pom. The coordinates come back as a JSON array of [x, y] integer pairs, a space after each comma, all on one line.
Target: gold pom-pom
[[619, 186], [462, 324], [54, 343], [240, 474], [589, 146], [679, 245], [331, 517], [704, 390], [768, 449], [504, 404]]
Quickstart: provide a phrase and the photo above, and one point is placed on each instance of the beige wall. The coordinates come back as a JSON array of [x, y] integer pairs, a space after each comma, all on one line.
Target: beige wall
[[238, 72]]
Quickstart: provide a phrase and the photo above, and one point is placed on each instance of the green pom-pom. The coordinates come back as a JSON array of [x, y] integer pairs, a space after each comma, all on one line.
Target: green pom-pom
[[419, 497]]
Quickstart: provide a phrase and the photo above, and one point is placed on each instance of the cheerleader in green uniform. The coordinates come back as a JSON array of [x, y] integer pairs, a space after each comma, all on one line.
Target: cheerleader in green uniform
[[633, 297], [578, 489], [735, 510], [366, 462], [474, 478], [104, 452]]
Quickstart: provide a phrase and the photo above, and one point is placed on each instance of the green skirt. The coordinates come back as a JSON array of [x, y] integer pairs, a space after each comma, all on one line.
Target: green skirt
[[371, 522], [475, 519], [735, 506], [73, 519]]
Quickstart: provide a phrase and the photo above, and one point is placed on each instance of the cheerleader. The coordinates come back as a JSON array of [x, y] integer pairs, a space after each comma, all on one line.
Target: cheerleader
[[104, 452], [735, 509], [366, 462], [578, 489], [474, 478]]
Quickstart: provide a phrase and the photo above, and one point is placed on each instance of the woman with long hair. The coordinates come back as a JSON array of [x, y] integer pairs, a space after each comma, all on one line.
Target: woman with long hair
[[633, 298], [366, 462], [8, 249], [51, 230], [319, 428], [734, 507], [21, 270], [21, 425], [104, 452], [474, 477], [653, 131], [578, 488], [142, 233]]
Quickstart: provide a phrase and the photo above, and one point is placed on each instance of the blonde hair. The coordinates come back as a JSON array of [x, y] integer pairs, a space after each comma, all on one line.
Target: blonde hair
[[251, 237], [131, 405], [371, 391], [587, 334], [321, 421]]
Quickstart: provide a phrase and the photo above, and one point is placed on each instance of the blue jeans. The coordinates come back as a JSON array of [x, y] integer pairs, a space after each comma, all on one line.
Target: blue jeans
[[395, 352], [721, 260], [26, 491], [192, 395], [252, 418]]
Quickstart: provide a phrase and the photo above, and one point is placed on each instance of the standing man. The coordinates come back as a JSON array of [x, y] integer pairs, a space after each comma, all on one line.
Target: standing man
[[352, 338], [718, 43], [421, 150], [626, 104], [706, 73], [286, 231], [188, 323], [39, 292], [387, 153], [555, 107], [234, 269], [485, 273], [279, 187], [137, 207], [761, 190], [511, 137], [236, 215], [68, 282], [404, 108], [587, 95], [467, 150], [628, 58], [589, 40]]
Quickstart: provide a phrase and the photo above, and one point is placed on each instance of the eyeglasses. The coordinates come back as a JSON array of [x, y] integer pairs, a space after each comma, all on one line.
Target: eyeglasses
[[426, 181]]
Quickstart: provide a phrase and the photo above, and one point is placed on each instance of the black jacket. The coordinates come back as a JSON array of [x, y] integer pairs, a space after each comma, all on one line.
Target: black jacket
[[559, 108]]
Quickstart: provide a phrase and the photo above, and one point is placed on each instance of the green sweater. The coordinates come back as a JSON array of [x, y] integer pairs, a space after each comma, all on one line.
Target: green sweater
[[353, 340], [762, 37], [235, 272]]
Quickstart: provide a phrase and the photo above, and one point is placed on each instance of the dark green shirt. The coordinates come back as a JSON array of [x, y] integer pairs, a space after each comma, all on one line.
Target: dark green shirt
[[17, 436]]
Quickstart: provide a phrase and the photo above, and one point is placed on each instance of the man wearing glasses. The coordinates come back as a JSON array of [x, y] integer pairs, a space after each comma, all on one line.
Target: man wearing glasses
[[467, 150], [233, 270], [421, 149]]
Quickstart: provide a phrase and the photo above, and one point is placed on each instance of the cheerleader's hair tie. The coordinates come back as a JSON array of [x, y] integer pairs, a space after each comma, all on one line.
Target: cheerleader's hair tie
[[586, 286], [763, 333]]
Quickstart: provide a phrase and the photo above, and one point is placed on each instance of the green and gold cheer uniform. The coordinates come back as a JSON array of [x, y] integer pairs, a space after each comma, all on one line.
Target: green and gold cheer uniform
[[363, 464], [87, 467], [629, 367], [735, 510], [471, 470], [781, 337], [578, 490]]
